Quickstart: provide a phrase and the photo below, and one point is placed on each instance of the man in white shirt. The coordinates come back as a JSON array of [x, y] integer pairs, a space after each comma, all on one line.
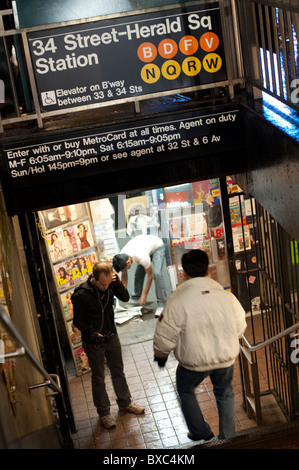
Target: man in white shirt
[[148, 252]]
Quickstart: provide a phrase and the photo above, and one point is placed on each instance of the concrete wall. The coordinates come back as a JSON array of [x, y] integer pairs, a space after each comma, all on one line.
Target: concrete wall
[[28, 422], [272, 175]]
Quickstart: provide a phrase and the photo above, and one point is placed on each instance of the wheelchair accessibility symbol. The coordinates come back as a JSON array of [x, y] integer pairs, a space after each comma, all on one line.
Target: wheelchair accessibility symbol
[[48, 98]]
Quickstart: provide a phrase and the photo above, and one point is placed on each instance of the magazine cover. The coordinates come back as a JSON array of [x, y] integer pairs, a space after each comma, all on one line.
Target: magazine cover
[[67, 304], [75, 270], [55, 244], [69, 241], [81, 359], [74, 334], [83, 235]]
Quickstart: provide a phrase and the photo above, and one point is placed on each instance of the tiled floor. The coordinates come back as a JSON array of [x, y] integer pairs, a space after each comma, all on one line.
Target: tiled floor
[[162, 425]]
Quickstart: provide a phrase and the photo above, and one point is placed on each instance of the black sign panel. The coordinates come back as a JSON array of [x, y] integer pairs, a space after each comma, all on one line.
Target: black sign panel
[[130, 145], [126, 57]]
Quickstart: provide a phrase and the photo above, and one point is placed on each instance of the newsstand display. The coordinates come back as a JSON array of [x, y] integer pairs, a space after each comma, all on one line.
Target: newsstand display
[[77, 236]]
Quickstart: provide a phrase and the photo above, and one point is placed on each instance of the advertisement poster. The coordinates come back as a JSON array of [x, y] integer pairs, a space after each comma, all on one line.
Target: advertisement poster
[[188, 226], [237, 212], [58, 216], [128, 56], [240, 243]]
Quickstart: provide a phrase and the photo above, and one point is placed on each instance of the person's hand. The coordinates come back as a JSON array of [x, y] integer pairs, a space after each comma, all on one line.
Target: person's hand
[[115, 279], [142, 299], [161, 361], [96, 337]]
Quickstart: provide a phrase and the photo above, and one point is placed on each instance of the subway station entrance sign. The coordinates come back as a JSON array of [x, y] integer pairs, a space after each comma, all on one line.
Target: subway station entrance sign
[[128, 56], [69, 165], [194, 134]]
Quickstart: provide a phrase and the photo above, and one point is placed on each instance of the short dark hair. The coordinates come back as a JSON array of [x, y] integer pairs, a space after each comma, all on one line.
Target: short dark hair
[[195, 263], [102, 267], [120, 261]]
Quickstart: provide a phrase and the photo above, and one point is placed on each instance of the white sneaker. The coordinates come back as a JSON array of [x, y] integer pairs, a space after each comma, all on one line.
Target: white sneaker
[[158, 312]]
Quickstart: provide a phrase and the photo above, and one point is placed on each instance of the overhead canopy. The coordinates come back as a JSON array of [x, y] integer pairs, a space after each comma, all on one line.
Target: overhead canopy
[[28, 13], [71, 167]]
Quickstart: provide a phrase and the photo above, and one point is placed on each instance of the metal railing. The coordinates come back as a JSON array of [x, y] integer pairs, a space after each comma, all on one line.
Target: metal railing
[[251, 386], [270, 32], [23, 350], [267, 342], [267, 275]]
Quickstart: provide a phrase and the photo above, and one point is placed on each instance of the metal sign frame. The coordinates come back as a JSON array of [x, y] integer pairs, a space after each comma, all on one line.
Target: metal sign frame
[[230, 36], [147, 54]]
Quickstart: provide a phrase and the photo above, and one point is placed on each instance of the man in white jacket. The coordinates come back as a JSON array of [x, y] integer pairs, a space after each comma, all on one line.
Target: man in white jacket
[[201, 323]]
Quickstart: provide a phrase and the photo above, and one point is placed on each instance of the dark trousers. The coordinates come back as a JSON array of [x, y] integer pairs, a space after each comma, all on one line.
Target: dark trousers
[[96, 356], [188, 380]]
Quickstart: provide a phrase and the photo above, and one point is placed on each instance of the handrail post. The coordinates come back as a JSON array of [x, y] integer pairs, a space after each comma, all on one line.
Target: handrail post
[[252, 391], [6, 321], [248, 357], [51, 380]]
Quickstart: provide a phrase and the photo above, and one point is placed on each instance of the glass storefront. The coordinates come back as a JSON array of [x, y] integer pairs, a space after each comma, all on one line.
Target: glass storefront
[[185, 216]]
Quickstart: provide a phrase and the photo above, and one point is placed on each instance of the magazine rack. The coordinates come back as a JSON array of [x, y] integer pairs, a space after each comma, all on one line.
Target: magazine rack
[[73, 251]]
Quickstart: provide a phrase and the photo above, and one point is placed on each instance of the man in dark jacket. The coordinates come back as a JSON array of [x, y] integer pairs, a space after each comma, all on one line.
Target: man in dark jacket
[[94, 316]]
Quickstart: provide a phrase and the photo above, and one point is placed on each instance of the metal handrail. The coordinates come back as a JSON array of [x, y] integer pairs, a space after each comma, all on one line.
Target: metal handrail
[[23, 349], [263, 344]]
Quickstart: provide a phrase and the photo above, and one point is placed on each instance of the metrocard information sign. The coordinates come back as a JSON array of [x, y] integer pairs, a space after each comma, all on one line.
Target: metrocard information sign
[[128, 56]]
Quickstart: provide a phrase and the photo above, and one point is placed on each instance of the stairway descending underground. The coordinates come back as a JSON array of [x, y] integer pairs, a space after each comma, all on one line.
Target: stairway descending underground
[[268, 437]]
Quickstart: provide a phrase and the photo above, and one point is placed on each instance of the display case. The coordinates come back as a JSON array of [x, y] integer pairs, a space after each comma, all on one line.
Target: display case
[[193, 217]]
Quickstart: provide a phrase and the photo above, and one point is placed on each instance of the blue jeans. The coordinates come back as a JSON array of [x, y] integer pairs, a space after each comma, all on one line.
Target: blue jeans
[[221, 379], [96, 357], [158, 259]]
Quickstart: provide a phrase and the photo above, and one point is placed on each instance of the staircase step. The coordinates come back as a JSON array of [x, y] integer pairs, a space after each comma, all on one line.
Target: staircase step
[[263, 437]]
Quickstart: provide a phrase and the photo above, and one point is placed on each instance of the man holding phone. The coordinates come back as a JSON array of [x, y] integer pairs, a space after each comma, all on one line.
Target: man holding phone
[[93, 304]]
